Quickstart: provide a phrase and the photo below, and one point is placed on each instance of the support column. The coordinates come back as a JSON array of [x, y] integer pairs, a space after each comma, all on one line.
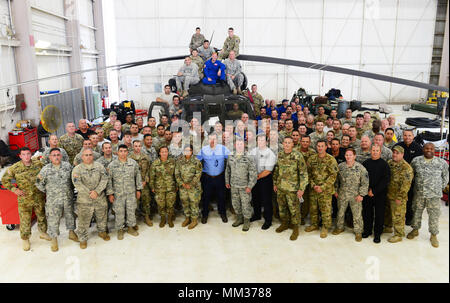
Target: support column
[[100, 46], [443, 75]]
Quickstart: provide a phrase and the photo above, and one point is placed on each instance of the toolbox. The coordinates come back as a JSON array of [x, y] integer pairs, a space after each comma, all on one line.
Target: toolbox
[[27, 137]]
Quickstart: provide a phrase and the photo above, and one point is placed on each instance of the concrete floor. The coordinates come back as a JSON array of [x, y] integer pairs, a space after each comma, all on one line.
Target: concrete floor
[[217, 252]]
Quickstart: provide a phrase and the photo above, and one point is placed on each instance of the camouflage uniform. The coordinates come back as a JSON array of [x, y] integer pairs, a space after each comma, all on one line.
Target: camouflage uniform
[[77, 160], [430, 179], [189, 172], [189, 77], [144, 167], [258, 101], [235, 114], [390, 145], [241, 173], [124, 180], [199, 62], [162, 181], [356, 144], [205, 53], [229, 45], [386, 153], [351, 182], [115, 147], [45, 156], [107, 127], [284, 133], [175, 151], [150, 152], [85, 178], [158, 142], [316, 137], [105, 162], [361, 155], [360, 132], [337, 134], [401, 177], [305, 206], [290, 175], [234, 68], [369, 133], [322, 118], [196, 41], [321, 172], [348, 121], [72, 145], [56, 182], [25, 177], [125, 127]]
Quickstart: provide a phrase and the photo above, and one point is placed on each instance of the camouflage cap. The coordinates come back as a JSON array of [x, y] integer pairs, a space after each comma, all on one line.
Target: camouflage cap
[[112, 113], [399, 149]]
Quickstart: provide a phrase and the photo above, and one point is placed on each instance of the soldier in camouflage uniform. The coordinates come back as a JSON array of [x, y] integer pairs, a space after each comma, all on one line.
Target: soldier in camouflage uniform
[[348, 117], [108, 126], [321, 116], [55, 181], [363, 152], [108, 155], [195, 58], [159, 140], [322, 173], [231, 43], [124, 188], [90, 180], [144, 167], [188, 171], [235, 78], [388, 138], [87, 144], [187, 75], [196, 40], [290, 178], [53, 143], [401, 177], [148, 148], [71, 142], [352, 184], [256, 99], [319, 134], [431, 178], [240, 177], [386, 153], [163, 185], [175, 148], [306, 152], [29, 197]]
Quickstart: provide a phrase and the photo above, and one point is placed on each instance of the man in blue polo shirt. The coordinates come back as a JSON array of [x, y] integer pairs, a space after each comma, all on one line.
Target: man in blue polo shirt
[[213, 158]]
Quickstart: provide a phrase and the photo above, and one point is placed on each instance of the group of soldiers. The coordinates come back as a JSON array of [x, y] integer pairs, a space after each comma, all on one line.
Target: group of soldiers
[[288, 166], [206, 65]]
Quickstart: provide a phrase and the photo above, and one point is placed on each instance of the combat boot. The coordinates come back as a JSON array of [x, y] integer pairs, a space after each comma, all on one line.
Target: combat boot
[[148, 221], [104, 236], [388, 230], [239, 221], [434, 241], [193, 223], [395, 239], [302, 221], [54, 246], [186, 222], [294, 235], [163, 221], [73, 236], [170, 220], [83, 244], [337, 231], [324, 232], [311, 228], [414, 233], [246, 226], [136, 227], [120, 234], [132, 231], [185, 94], [284, 226], [26, 245], [234, 91], [45, 236], [239, 91], [358, 237]]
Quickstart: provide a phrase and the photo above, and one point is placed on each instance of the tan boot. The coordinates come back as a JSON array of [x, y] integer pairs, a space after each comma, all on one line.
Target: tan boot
[[337, 231], [294, 235], [170, 220], [185, 94], [136, 227], [120, 234], [193, 223], [73, 236], [395, 239], [358, 237], [54, 246], [412, 234], [311, 228], [26, 245], [104, 236], [148, 221], [163, 221], [302, 221], [434, 241], [239, 91], [45, 236], [388, 230], [83, 244], [284, 226], [132, 231], [234, 91], [323, 232], [186, 222]]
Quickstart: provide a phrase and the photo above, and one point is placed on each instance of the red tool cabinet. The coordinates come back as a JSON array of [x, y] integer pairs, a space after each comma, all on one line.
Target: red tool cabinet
[[22, 138]]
